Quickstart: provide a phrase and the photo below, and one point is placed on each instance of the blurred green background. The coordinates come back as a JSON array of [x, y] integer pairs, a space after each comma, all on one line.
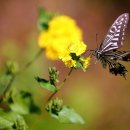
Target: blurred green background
[[101, 98]]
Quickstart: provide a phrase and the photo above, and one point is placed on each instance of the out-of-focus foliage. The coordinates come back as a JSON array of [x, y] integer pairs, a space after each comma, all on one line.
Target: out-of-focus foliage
[[62, 113], [49, 84], [44, 18], [10, 120], [22, 102], [8, 76]]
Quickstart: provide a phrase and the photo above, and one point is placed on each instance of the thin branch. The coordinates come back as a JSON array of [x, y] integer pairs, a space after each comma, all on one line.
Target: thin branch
[[19, 72], [9, 85], [28, 64], [62, 84]]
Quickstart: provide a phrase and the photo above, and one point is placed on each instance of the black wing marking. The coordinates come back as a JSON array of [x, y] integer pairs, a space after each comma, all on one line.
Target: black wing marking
[[114, 66], [115, 36]]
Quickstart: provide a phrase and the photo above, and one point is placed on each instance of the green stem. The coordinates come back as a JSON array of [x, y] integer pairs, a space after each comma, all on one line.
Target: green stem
[[61, 85], [19, 72], [9, 85], [28, 64]]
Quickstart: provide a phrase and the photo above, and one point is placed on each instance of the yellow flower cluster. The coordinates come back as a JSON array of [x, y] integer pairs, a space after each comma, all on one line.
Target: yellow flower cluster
[[62, 32], [77, 48]]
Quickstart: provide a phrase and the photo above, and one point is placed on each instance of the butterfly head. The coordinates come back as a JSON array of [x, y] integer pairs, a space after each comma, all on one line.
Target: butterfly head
[[97, 53]]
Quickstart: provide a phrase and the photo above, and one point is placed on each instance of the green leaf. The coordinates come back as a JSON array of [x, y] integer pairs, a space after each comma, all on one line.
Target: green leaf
[[78, 65], [22, 102], [74, 56], [12, 121], [4, 123], [43, 19], [68, 115], [46, 84], [62, 113]]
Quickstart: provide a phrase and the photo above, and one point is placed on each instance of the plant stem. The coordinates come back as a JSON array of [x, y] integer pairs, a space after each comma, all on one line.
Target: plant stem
[[9, 85], [62, 84], [28, 64], [19, 72]]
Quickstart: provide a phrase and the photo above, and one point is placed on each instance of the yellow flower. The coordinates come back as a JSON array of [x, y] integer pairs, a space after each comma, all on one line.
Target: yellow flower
[[76, 48], [86, 62], [70, 63], [62, 32]]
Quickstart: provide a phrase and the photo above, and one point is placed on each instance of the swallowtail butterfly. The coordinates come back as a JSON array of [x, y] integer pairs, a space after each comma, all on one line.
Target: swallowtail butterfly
[[107, 53]]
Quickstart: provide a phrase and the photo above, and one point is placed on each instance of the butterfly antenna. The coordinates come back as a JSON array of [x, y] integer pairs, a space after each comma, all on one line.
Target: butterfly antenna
[[91, 51], [97, 39]]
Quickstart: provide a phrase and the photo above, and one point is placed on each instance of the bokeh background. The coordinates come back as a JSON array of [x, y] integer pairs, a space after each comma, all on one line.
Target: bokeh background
[[101, 98]]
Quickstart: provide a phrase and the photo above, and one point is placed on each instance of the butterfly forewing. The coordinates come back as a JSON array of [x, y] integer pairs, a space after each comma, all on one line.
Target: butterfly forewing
[[115, 36]]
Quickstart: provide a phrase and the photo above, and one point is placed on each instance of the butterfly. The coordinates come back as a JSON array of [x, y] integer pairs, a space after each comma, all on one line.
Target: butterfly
[[108, 52]]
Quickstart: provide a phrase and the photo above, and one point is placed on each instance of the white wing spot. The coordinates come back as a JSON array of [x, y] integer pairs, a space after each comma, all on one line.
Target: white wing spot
[[111, 31], [118, 31], [116, 35], [115, 39], [122, 19]]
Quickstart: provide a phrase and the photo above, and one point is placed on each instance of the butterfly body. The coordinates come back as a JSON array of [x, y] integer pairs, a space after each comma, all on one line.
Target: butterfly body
[[108, 52]]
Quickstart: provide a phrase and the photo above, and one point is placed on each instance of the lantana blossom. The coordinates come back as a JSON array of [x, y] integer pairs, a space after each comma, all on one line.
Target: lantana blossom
[[72, 56], [61, 32]]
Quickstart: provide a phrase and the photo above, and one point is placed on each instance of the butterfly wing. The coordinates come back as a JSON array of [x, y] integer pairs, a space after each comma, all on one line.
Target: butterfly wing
[[118, 55], [115, 36], [114, 67]]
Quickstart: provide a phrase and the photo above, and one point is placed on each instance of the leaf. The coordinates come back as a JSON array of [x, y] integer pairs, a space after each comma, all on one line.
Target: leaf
[[78, 65], [62, 113], [22, 102], [68, 115], [74, 56], [46, 84], [43, 19], [12, 121], [4, 123]]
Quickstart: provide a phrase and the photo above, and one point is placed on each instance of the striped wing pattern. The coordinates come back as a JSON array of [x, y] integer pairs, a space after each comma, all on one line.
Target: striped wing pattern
[[115, 36]]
